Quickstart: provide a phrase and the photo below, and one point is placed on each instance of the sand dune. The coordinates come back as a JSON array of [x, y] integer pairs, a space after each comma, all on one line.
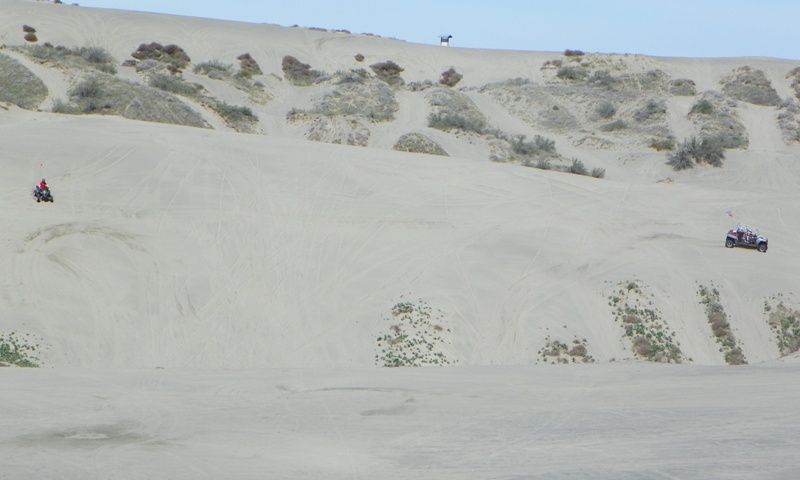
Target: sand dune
[[207, 303]]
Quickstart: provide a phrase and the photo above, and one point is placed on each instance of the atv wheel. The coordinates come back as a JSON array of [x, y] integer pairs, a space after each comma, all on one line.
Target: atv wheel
[[762, 247], [729, 243]]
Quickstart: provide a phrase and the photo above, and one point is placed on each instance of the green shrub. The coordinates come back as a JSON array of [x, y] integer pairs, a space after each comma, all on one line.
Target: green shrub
[[606, 110], [614, 126], [204, 68], [414, 340], [19, 85], [577, 167], [653, 108], [603, 79], [598, 172], [450, 121], [660, 144], [233, 113], [693, 150], [16, 351], [702, 107], [537, 146], [571, 73], [172, 84], [90, 88]]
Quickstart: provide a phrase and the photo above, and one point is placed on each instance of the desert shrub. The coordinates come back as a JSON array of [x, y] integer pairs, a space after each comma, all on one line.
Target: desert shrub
[[606, 110], [683, 87], [450, 77], [89, 88], [233, 113], [537, 146], [416, 338], [359, 96], [450, 121], [18, 351], [650, 336], [205, 68], [573, 53], [703, 107], [554, 63], [571, 73], [752, 86], [577, 167], [653, 108], [720, 328], [388, 71], [598, 172], [28, 29], [95, 55], [785, 324], [543, 164], [418, 143], [297, 72], [603, 79], [693, 150], [60, 106], [660, 144], [172, 84], [247, 64], [614, 126], [31, 37], [359, 57], [171, 54], [19, 85]]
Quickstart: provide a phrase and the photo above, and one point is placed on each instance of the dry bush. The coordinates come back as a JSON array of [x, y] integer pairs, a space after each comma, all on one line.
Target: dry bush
[[388, 71], [297, 72], [248, 64], [642, 346], [573, 53], [450, 77], [172, 54], [31, 37], [359, 57], [28, 29], [683, 87], [418, 143]]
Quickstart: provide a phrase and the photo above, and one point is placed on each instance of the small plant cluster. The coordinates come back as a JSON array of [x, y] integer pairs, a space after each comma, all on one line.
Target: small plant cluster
[[556, 352], [419, 143], [683, 87], [18, 351], [697, 151], [450, 77], [785, 323], [174, 56], [241, 119], [389, 72], [789, 120], [20, 86], [750, 85], [716, 116], [248, 65], [649, 335], [414, 340], [97, 58], [720, 327], [299, 73]]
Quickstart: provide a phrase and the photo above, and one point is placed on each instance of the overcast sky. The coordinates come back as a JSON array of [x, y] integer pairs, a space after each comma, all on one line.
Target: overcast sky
[[673, 28]]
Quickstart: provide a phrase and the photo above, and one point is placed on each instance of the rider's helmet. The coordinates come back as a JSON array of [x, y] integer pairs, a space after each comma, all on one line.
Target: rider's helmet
[[43, 181]]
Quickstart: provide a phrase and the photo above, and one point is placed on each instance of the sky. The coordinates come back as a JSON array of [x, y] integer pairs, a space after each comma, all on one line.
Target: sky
[[669, 28]]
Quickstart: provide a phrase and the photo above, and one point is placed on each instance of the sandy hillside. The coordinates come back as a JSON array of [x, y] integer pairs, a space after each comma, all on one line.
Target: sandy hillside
[[217, 235]]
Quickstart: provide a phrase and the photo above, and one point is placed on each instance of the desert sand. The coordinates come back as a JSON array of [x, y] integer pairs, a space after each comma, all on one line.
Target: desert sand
[[206, 303]]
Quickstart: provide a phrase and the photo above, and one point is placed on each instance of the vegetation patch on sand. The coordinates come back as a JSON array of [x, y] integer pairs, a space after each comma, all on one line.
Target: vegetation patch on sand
[[18, 351], [107, 95], [416, 338], [750, 85], [650, 336], [720, 327], [80, 58], [716, 117], [556, 352], [785, 324], [20, 86], [418, 143]]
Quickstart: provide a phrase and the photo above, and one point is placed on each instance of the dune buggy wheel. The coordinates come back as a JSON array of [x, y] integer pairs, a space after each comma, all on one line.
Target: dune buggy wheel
[[729, 242], [762, 247]]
